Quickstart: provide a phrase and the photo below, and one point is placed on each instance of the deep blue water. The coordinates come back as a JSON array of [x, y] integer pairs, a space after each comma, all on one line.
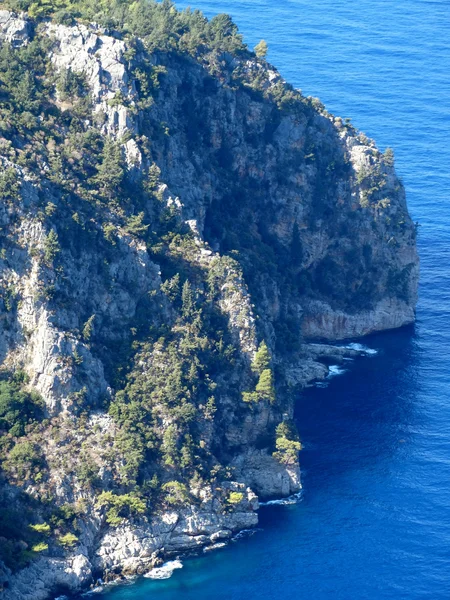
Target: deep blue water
[[374, 522]]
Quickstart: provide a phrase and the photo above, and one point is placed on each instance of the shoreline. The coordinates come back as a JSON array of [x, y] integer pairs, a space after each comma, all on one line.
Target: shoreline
[[175, 562], [316, 372]]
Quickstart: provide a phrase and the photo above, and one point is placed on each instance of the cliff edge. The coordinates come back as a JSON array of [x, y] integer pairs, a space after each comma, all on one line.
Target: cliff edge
[[177, 225]]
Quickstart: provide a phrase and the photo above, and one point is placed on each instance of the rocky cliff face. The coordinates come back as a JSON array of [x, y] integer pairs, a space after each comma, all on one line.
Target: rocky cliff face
[[162, 215]]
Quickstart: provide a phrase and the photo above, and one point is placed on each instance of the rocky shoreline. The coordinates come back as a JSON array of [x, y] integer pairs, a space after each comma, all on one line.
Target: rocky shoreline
[[135, 549], [162, 321]]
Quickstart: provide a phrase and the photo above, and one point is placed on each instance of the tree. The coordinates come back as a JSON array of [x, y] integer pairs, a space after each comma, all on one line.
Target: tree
[[261, 49], [17, 408], [51, 247], [23, 458], [389, 157], [43, 528], [110, 171], [261, 361], [9, 184], [287, 444], [187, 298], [88, 328], [136, 226], [40, 547], [24, 93], [176, 493], [170, 446], [171, 288], [265, 387], [68, 540], [210, 408], [187, 452], [120, 506], [70, 84], [287, 450], [235, 497], [222, 25]]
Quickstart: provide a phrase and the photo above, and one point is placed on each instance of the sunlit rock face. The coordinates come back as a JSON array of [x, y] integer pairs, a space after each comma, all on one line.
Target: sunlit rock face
[[290, 226]]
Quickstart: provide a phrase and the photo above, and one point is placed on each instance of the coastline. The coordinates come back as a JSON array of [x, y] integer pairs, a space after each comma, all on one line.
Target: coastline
[[79, 575], [254, 409]]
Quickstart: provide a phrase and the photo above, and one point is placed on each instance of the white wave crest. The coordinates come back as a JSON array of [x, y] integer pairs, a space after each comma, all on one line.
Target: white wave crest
[[321, 384], [166, 571], [334, 370], [362, 348], [96, 590], [294, 499]]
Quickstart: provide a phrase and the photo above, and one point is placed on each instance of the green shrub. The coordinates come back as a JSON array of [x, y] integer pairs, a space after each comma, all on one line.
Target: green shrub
[[18, 408], [23, 459], [120, 506], [9, 184], [235, 497], [261, 49], [41, 528], [40, 547], [51, 247], [68, 540], [175, 493]]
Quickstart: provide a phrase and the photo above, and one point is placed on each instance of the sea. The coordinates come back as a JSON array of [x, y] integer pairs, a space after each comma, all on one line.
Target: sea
[[373, 520]]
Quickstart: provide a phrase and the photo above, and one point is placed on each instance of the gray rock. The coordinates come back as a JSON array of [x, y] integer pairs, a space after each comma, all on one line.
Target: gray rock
[[14, 29]]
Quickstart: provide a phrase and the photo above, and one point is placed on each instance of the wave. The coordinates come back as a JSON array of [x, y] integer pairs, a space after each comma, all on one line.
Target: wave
[[166, 571], [321, 384], [294, 499], [96, 590], [335, 370], [362, 348]]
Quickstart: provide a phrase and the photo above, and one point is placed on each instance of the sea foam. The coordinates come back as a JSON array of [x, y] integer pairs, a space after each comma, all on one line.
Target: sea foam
[[166, 571], [334, 370], [362, 348], [294, 499]]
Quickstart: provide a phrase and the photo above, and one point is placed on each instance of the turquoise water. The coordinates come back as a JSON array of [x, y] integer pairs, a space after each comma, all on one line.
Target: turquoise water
[[374, 521]]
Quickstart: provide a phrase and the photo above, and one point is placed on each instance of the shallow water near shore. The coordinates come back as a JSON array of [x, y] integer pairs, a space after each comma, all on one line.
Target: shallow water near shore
[[373, 521]]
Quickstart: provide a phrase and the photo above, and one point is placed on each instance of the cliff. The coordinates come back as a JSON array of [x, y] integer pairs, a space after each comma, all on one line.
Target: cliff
[[177, 223]]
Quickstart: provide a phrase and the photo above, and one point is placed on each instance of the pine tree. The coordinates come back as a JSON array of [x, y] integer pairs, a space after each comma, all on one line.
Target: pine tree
[[187, 299], [110, 172], [261, 361], [51, 247], [265, 387], [88, 328], [261, 49], [389, 157]]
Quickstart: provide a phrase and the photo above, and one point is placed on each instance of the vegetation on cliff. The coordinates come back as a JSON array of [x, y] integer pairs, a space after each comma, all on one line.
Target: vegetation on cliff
[[162, 227]]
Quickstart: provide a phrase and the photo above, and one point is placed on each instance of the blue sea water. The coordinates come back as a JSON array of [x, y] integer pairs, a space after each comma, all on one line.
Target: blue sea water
[[374, 520]]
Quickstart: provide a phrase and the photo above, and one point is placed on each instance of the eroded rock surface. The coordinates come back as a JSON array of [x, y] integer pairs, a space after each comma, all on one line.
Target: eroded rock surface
[[290, 224]]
